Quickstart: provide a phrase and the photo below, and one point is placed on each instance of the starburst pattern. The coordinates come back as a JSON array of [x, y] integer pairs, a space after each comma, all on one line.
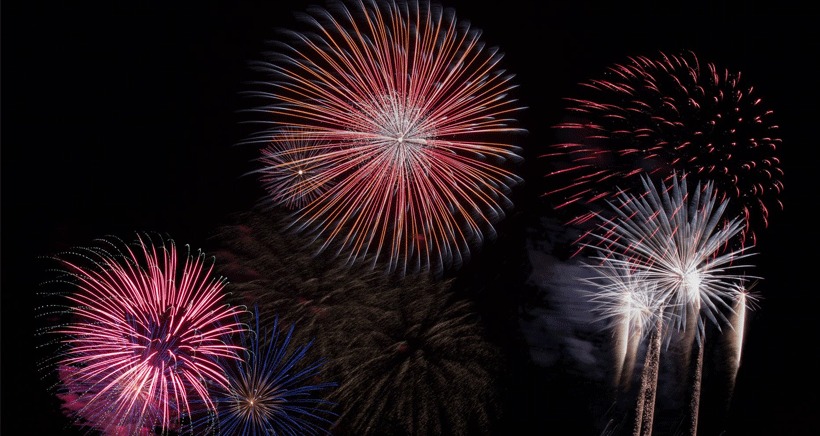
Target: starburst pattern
[[143, 336], [679, 241], [672, 113], [272, 390], [408, 115], [630, 303]]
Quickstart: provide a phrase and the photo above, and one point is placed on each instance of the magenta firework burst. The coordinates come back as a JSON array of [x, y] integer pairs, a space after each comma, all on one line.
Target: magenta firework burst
[[409, 118], [658, 115], [143, 336]]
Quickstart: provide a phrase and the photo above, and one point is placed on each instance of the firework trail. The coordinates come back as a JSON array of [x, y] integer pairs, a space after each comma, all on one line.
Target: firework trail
[[656, 116], [623, 295], [272, 391], [142, 337], [407, 117], [645, 407], [744, 301], [678, 240], [697, 382]]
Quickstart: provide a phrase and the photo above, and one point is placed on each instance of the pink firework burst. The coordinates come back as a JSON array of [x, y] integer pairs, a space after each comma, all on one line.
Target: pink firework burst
[[143, 338], [407, 113], [665, 115]]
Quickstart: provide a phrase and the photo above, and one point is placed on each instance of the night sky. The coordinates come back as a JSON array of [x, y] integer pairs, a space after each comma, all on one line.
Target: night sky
[[125, 117]]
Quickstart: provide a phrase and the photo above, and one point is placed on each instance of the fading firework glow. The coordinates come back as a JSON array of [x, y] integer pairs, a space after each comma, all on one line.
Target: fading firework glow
[[656, 116], [143, 336], [278, 273], [414, 361], [407, 113]]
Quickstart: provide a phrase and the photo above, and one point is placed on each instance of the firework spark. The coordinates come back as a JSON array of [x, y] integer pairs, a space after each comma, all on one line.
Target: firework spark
[[272, 389], [680, 241], [409, 118], [659, 116], [143, 336]]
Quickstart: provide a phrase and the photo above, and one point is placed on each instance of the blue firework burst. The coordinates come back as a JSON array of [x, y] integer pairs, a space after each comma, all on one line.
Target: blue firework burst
[[276, 389]]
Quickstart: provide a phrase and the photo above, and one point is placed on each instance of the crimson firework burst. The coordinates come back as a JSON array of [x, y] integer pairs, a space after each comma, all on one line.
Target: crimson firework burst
[[656, 116], [143, 336], [407, 116]]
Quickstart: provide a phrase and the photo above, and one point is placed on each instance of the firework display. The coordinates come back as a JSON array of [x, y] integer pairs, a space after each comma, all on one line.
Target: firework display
[[629, 301], [658, 115], [679, 241], [143, 336], [397, 348], [291, 172], [403, 119], [394, 227]]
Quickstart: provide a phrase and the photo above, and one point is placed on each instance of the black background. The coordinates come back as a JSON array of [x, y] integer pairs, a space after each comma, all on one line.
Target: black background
[[123, 117]]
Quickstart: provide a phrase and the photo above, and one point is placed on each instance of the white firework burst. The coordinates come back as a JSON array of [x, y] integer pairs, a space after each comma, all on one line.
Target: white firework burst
[[679, 241]]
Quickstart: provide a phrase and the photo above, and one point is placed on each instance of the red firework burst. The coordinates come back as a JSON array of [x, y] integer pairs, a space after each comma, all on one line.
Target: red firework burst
[[408, 116], [666, 115], [291, 171], [143, 338]]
